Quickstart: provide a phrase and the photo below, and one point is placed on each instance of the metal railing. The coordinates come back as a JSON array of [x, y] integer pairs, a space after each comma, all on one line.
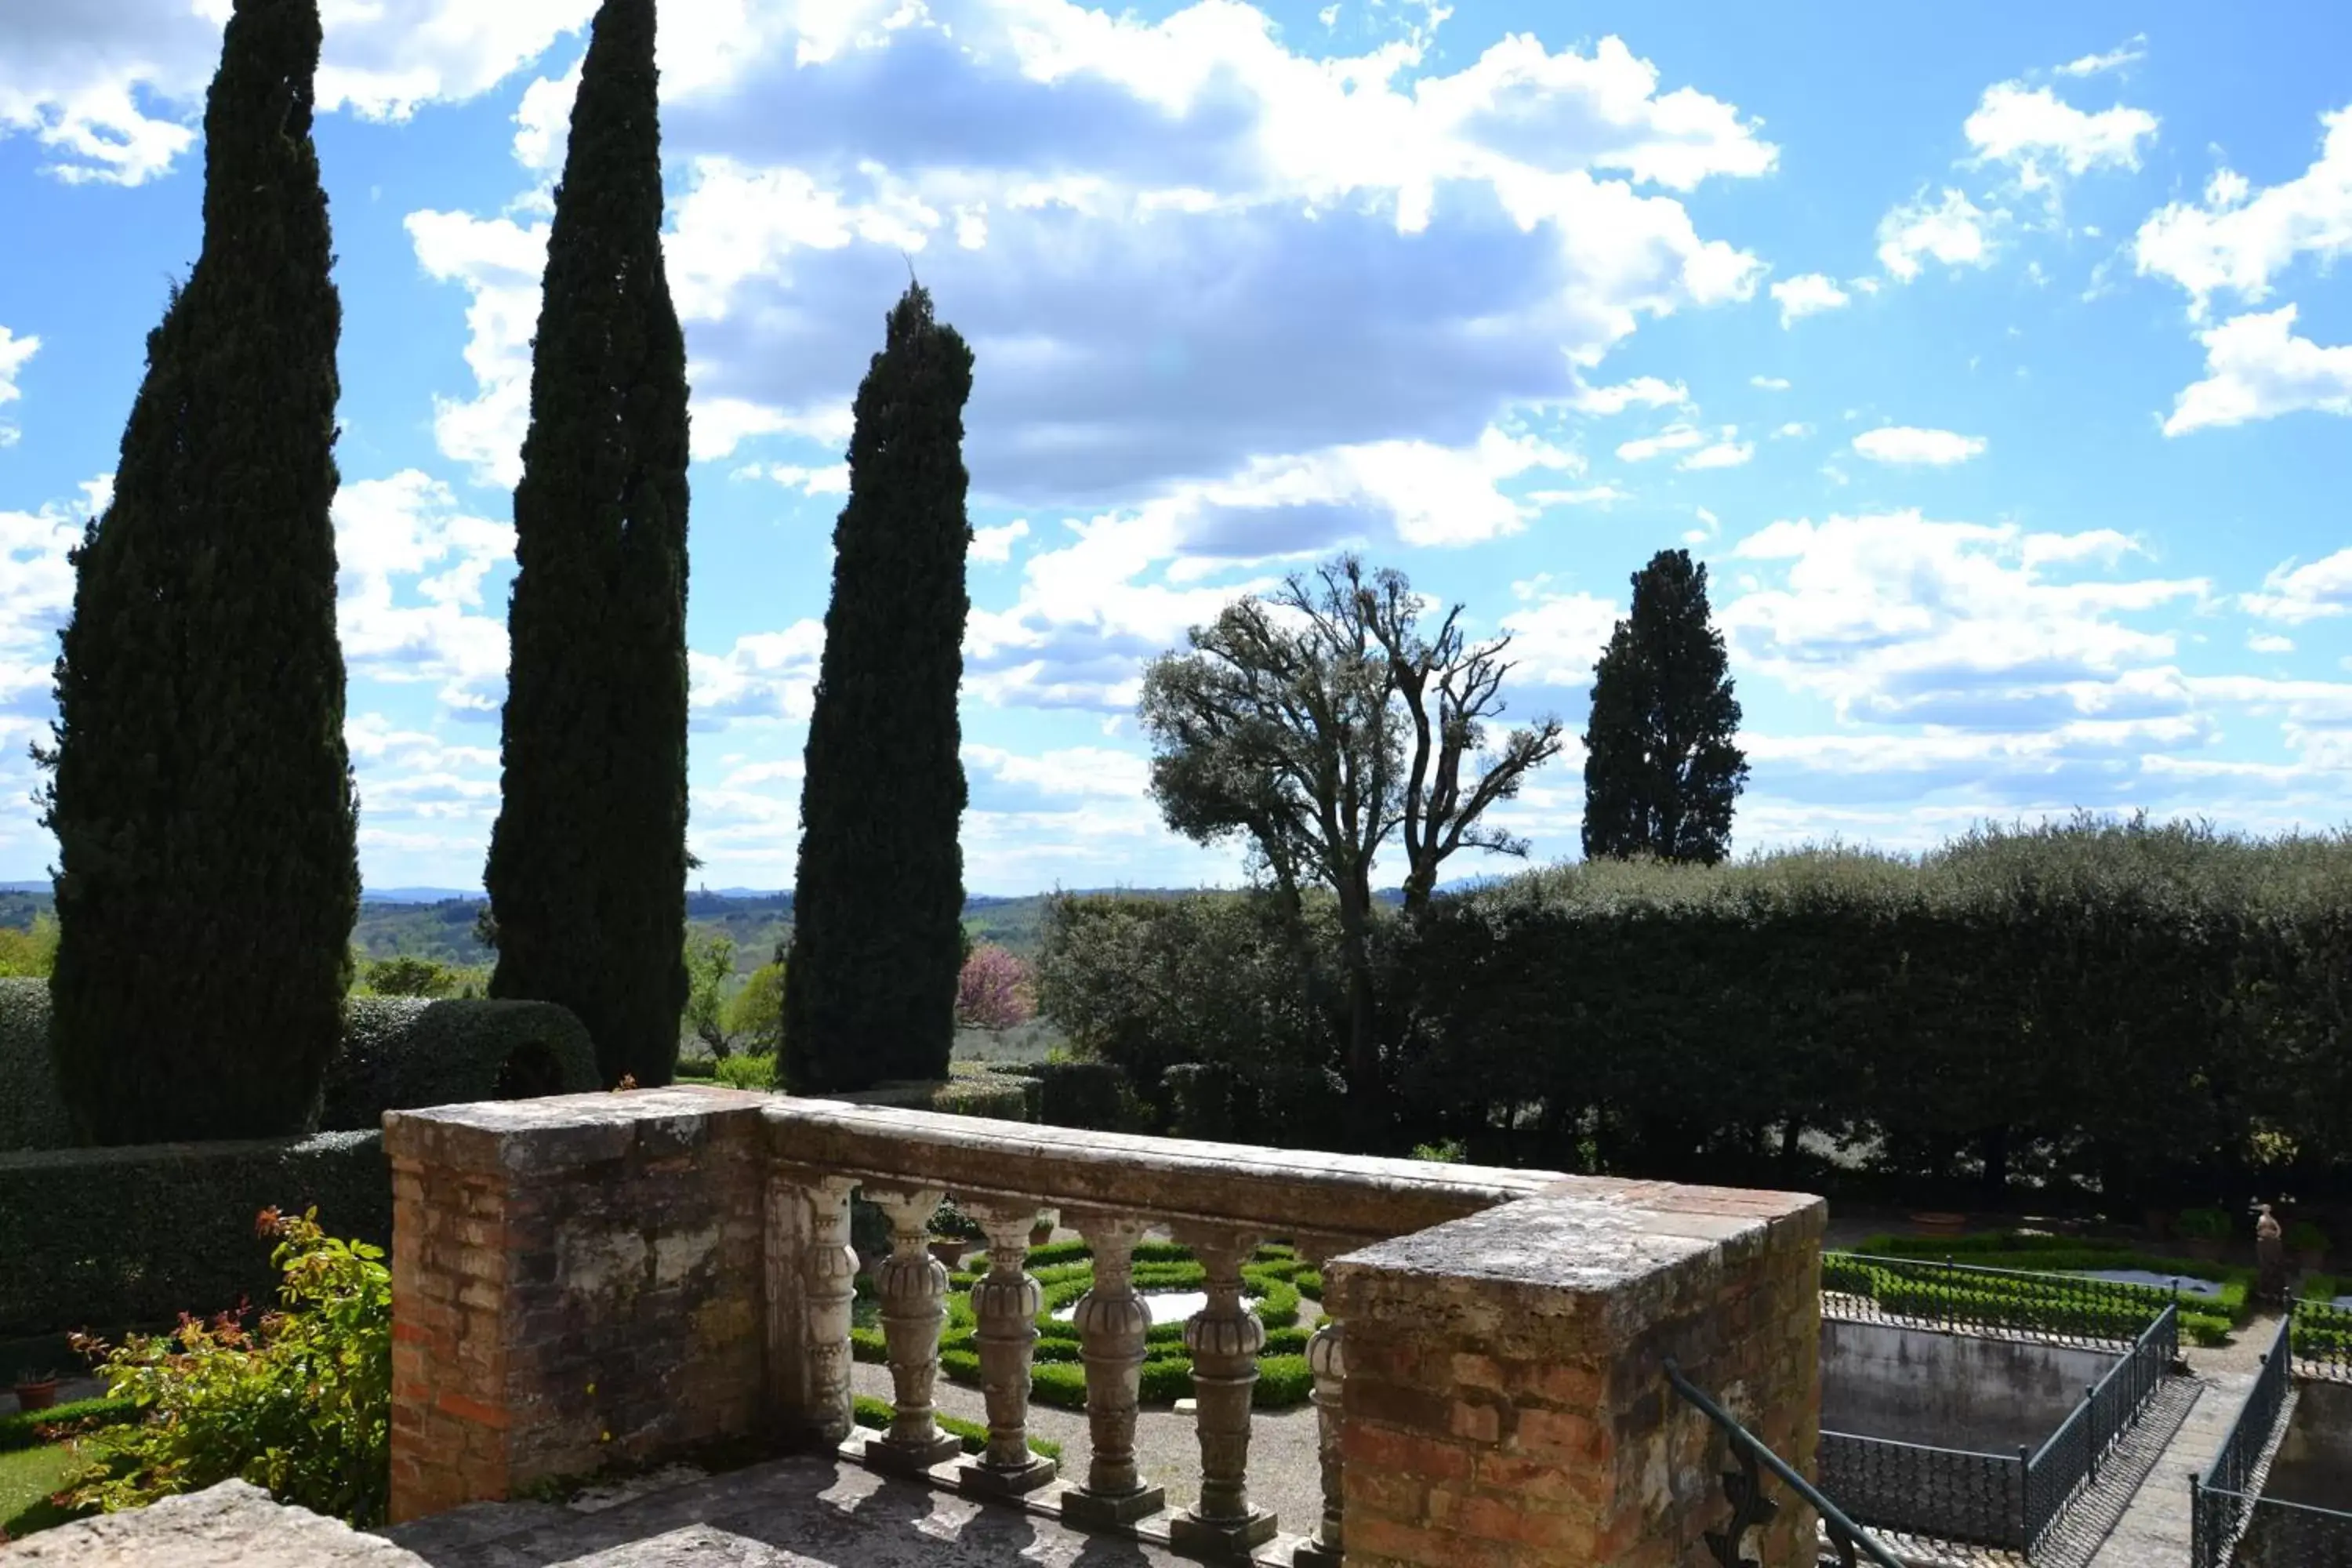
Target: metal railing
[[2070, 1309], [2323, 1340], [1750, 1508], [2001, 1500], [2070, 1458], [2218, 1500]]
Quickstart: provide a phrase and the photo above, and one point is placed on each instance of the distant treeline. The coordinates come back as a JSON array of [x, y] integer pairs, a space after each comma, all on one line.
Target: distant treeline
[[2122, 1015]]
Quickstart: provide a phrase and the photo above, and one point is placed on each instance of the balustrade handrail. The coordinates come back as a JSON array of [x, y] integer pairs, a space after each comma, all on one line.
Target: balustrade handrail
[[1749, 1507]]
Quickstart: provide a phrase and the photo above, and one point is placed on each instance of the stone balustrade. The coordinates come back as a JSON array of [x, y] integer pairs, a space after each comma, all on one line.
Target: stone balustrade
[[584, 1281]]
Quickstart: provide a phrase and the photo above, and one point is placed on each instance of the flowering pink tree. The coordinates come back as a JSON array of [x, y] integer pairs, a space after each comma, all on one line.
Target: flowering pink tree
[[994, 992]]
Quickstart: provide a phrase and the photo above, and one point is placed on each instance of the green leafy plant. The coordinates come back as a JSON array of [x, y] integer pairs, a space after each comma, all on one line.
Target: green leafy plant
[[300, 1403], [2303, 1235], [747, 1072], [2202, 1224]]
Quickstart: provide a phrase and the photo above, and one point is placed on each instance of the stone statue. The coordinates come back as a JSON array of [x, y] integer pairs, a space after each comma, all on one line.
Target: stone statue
[[2270, 1259]]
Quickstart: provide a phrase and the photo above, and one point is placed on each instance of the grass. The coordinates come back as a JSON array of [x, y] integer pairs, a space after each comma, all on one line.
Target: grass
[[27, 1477]]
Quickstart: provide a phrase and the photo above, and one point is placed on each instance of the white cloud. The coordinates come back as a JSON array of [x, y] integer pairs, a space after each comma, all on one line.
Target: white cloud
[[2032, 128], [1769, 382], [1952, 230], [831, 480], [14, 352], [1556, 637], [2237, 240], [1643, 391], [2128, 52], [1792, 430], [112, 91], [1808, 294], [2309, 592], [409, 595], [766, 675], [1522, 204], [2269, 642], [1723, 454], [994, 546], [1896, 617], [1909, 444], [2256, 368], [1675, 437]]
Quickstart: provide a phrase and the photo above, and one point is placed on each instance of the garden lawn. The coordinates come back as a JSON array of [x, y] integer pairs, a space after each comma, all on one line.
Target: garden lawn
[[27, 1477], [2204, 1319]]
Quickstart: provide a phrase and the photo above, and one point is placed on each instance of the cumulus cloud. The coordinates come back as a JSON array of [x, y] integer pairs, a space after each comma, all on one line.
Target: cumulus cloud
[[1556, 637], [766, 675], [1898, 617], [994, 546], [2240, 239], [1641, 392], [410, 605], [1675, 437], [2257, 368], [1721, 453], [1178, 246], [1808, 294], [1952, 229], [14, 352], [1909, 444], [2310, 591], [1769, 382], [2129, 52], [113, 89], [2039, 136]]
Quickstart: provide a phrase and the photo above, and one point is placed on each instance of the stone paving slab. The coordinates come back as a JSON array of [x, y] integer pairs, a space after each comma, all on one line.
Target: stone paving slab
[[800, 1512], [232, 1525]]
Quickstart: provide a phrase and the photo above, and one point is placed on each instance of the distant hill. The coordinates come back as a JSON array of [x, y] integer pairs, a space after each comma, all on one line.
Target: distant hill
[[438, 922]]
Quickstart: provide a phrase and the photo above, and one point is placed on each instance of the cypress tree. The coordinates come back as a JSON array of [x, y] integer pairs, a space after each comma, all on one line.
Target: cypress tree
[[587, 864], [207, 875], [1659, 769], [878, 900]]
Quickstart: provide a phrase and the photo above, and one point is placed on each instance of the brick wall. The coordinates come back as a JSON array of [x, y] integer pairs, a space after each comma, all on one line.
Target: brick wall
[[1505, 1402], [576, 1282]]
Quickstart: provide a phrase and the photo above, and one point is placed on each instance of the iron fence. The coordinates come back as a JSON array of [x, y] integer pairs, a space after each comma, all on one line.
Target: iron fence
[[2071, 1309], [2294, 1535], [2322, 1341], [1947, 1494], [2218, 1500], [2070, 1458]]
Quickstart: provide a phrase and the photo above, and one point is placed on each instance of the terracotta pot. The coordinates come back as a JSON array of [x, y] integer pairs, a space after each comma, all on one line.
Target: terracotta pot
[[1041, 1233], [1940, 1224], [40, 1396], [949, 1250]]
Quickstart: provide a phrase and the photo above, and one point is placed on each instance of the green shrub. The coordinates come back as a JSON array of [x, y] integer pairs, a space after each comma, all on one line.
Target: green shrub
[[2304, 1236], [701, 1070], [33, 1114], [116, 1237], [747, 1072], [1093, 1096], [877, 1415], [29, 952], [299, 1404], [31, 1428], [2204, 1225], [400, 1053], [997, 1095]]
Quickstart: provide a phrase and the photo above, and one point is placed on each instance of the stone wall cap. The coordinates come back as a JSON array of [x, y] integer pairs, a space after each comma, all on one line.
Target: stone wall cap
[[232, 1525], [567, 1130]]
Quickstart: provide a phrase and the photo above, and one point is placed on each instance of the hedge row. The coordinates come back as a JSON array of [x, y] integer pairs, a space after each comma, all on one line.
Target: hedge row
[[398, 1052], [131, 1237]]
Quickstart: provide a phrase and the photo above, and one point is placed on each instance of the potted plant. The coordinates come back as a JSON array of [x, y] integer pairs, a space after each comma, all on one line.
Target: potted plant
[[2308, 1243], [1041, 1230], [2204, 1231], [953, 1232], [1937, 1222], [36, 1390]]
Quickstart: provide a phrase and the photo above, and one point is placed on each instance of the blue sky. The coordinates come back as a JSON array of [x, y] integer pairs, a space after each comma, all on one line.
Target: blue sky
[[2000, 371]]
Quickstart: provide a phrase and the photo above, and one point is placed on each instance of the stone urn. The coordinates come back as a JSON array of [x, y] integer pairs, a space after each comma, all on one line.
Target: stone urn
[[949, 1249]]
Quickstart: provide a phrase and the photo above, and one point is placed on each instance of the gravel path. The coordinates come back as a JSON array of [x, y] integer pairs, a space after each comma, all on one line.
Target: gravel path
[[1285, 1473]]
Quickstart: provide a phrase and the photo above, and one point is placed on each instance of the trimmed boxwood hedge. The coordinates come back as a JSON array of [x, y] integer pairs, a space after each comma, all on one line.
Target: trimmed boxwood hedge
[[134, 1236], [1091, 1096], [998, 1095], [32, 1112], [401, 1052]]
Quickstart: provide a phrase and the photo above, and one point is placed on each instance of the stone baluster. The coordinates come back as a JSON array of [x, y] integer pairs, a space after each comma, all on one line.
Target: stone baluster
[[1223, 1339], [1112, 1320], [1325, 1547], [829, 1275], [914, 1289], [1005, 1302]]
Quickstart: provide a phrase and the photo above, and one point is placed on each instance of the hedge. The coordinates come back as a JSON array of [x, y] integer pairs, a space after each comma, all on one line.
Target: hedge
[[131, 1237], [401, 1052], [32, 1112], [990, 1094], [1091, 1096], [398, 1052]]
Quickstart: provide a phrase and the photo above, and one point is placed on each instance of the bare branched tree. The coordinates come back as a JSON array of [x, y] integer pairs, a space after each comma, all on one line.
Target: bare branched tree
[[1319, 723]]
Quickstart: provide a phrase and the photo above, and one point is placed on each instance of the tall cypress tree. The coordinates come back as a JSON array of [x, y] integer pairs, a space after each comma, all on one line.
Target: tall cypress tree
[[1659, 769], [587, 863], [877, 901], [207, 876]]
